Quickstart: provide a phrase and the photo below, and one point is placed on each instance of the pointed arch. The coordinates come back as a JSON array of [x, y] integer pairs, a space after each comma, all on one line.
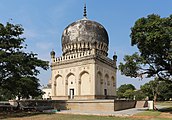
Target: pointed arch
[[69, 75], [59, 88], [99, 83], [83, 73], [84, 83], [70, 83], [113, 81], [99, 77], [106, 84], [58, 75], [106, 78]]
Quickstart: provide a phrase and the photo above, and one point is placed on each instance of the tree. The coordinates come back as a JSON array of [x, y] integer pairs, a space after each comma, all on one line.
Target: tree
[[18, 69], [157, 90], [126, 91], [151, 89], [153, 38], [165, 91], [139, 95], [129, 94], [146, 89]]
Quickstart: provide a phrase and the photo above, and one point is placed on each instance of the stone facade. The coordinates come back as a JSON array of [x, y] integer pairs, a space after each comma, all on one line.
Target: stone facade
[[83, 71]]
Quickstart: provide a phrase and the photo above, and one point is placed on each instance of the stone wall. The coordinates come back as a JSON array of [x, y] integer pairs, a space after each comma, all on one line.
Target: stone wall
[[141, 104], [92, 105], [124, 104], [86, 105]]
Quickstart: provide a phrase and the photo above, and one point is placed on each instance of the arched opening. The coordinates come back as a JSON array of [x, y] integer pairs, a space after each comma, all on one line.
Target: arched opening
[[113, 81], [106, 85], [99, 84], [60, 88], [85, 83], [113, 86], [71, 85]]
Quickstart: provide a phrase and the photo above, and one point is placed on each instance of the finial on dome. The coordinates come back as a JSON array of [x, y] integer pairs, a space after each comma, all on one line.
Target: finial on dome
[[85, 11]]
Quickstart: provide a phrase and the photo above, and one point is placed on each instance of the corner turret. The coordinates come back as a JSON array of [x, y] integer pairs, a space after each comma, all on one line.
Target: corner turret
[[52, 53]]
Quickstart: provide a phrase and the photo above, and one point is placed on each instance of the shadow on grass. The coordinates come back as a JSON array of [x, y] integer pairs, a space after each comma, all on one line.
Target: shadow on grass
[[5, 115], [168, 109]]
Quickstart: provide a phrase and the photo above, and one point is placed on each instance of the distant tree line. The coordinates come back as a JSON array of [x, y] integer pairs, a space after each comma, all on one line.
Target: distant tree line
[[153, 90]]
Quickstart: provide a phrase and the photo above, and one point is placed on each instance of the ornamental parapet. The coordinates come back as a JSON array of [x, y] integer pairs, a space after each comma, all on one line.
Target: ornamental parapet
[[72, 56], [83, 56]]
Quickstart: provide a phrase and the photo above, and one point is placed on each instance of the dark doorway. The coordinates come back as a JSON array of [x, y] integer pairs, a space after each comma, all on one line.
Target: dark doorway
[[71, 93], [105, 92]]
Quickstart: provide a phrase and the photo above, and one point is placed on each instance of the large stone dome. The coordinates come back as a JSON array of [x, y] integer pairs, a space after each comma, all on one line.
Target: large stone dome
[[84, 30], [85, 35]]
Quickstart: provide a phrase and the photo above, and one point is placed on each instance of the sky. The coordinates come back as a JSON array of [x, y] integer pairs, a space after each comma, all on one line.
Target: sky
[[44, 21]]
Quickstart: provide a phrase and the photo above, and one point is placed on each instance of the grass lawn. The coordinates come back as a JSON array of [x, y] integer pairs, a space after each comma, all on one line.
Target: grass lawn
[[166, 103], [27, 116], [161, 114], [149, 113], [153, 115], [39, 116]]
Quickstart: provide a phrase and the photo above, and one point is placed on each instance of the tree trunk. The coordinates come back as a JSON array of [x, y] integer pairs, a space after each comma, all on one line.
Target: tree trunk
[[155, 99], [18, 103]]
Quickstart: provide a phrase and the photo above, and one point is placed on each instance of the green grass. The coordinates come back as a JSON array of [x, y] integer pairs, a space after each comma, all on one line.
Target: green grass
[[77, 117], [154, 115], [43, 116], [155, 112], [166, 103], [66, 117], [149, 113]]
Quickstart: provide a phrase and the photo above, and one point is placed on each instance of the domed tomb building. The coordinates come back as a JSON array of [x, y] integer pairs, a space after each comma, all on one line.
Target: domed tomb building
[[83, 71]]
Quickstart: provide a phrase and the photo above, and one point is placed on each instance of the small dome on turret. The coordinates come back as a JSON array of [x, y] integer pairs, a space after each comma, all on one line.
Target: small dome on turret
[[52, 53]]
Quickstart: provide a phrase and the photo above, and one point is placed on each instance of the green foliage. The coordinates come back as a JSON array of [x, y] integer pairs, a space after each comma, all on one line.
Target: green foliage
[[139, 95], [131, 66], [165, 91], [18, 69], [129, 94], [153, 38], [126, 91], [157, 90]]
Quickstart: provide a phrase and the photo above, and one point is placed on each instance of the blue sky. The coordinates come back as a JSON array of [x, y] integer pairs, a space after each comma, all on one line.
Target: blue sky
[[45, 20]]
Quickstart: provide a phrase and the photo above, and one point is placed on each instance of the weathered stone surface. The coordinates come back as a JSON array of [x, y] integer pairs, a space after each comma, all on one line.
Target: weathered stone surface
[[84, 30]]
